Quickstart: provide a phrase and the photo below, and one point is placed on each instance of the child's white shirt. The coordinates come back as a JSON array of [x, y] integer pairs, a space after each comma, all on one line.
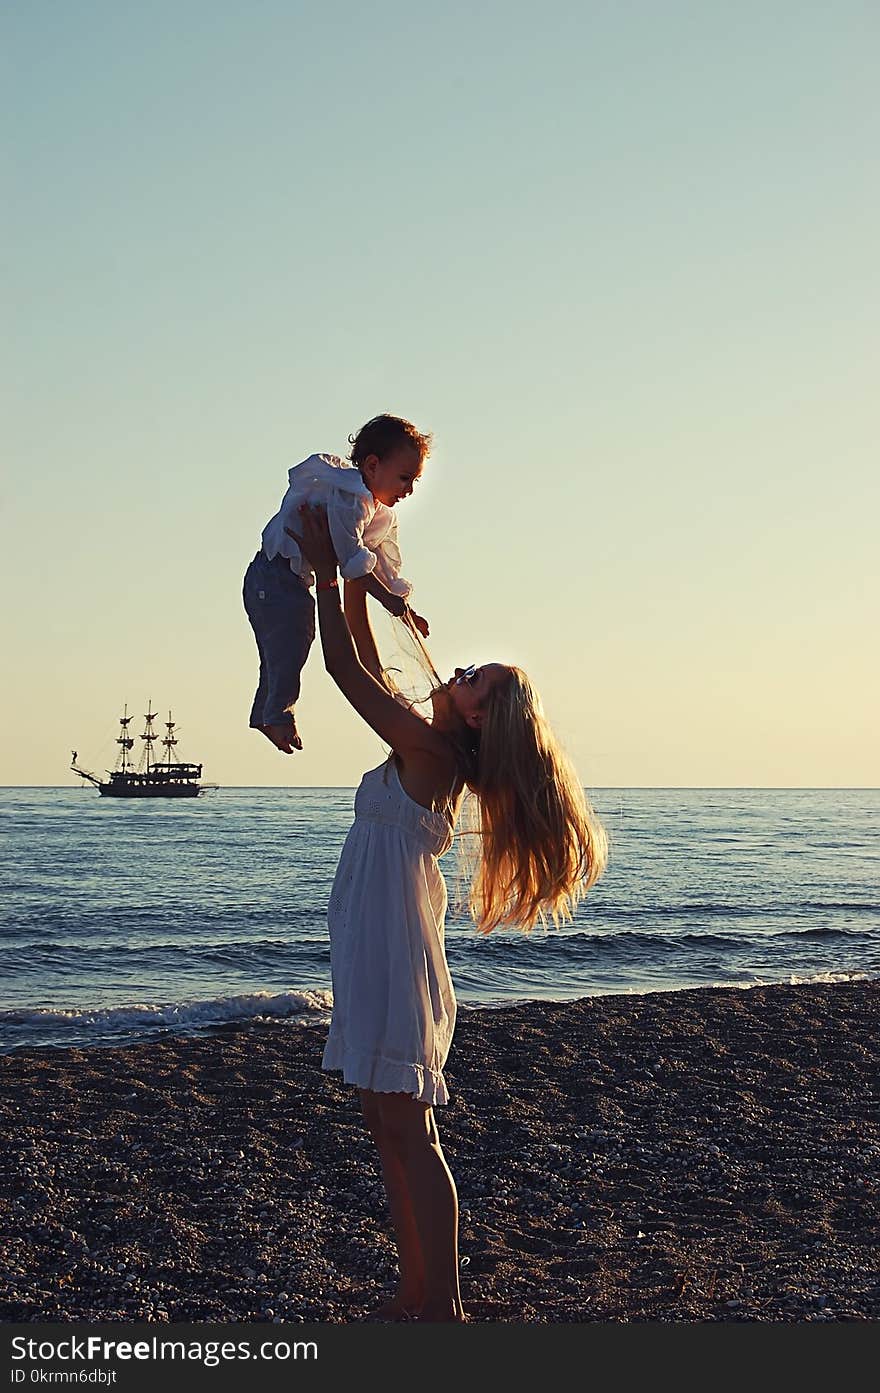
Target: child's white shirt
[[364, 531]]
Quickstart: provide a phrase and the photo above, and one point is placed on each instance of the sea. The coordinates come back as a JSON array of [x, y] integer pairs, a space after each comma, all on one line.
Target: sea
[[125, 920]]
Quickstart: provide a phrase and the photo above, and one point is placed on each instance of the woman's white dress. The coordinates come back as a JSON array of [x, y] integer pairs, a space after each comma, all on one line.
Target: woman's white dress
[[393, 1000]]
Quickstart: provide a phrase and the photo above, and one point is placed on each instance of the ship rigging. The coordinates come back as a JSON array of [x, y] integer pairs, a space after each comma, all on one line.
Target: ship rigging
[[165, 777]]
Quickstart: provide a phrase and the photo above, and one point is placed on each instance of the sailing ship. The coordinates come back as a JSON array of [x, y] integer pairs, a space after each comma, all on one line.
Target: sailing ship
[[166, 777]]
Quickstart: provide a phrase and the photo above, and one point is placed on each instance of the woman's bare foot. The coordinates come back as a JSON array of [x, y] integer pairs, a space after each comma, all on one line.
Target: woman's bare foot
[[285, 738], [393, 1310], [433, 1312]]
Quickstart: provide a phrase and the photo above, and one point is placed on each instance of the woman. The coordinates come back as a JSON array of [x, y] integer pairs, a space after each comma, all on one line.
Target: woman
[[540, 848]]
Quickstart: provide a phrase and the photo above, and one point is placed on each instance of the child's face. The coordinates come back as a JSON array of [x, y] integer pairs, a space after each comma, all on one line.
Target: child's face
[[392, 477]]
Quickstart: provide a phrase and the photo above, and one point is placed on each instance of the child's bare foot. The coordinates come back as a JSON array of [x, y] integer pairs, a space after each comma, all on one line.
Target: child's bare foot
[[285, 738]]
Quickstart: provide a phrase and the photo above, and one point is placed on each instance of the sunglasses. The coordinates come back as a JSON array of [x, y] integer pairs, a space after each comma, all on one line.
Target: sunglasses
[[469, 676]]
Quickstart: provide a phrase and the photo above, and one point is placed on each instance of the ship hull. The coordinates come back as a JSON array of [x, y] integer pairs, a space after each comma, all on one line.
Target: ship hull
[[149, 791]]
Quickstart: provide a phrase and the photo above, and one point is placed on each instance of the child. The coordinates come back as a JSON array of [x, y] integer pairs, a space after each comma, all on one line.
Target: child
[[387, 458]]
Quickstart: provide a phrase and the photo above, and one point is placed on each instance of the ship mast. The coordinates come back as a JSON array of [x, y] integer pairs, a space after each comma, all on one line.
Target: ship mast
[[149, 735], [165, 777], [125, 739], [169, 742]]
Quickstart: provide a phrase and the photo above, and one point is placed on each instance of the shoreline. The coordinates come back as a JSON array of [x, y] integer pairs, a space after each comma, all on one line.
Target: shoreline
[[704, 1154], [317, 1017]]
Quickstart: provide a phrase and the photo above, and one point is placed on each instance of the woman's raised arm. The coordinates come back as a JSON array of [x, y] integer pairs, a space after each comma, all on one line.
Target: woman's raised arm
[[403, 730], [358, 620]]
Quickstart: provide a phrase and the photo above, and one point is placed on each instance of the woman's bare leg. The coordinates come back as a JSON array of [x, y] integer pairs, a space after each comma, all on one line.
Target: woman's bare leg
[[411, 1265], [432, 1195]]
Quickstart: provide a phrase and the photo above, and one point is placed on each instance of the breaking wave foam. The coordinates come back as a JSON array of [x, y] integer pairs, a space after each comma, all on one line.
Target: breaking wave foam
[[47, 1024]]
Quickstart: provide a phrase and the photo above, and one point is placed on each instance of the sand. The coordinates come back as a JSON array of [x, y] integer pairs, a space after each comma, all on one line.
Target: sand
[[707, 1155]]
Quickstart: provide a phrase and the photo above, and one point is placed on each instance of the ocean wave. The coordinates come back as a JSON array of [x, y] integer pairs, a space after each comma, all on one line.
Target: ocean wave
[[211, 952], [185, 922], [750, 909], [509, 946], [136, 1018], [741, 981], [625, 942]]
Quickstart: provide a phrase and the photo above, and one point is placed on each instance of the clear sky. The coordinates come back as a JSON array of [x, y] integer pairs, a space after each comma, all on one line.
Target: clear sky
[[620, 257]]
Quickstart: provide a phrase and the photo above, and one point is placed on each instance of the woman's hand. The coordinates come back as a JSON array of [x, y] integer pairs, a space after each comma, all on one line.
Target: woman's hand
[[395, 604], [314, 541], [419, 623]]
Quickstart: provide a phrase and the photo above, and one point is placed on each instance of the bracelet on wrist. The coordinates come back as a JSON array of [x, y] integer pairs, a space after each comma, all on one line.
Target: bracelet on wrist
[[330, 584]]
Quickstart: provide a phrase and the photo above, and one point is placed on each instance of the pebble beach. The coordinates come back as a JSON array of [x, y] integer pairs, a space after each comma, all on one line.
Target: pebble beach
[[700, 1155]]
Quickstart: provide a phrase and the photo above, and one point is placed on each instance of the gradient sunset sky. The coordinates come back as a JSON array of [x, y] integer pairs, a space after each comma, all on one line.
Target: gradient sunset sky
[[621, 258]]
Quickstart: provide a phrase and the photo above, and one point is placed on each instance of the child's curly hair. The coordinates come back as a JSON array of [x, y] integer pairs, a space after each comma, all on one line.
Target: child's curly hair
[[384, 434]]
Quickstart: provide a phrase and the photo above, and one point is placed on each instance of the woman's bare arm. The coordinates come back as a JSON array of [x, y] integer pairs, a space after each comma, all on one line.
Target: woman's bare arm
[[358, 619], [403, 730]]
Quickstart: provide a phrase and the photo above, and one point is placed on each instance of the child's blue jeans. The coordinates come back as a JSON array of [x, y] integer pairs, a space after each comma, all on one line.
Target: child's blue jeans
[[281, 609]]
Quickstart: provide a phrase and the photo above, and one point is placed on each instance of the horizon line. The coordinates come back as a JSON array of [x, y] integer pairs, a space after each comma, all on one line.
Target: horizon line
[[635, 788]]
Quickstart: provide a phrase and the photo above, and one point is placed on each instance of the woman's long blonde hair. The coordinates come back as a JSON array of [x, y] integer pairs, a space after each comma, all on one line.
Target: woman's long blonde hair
[[530, 843], [540, 845]]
